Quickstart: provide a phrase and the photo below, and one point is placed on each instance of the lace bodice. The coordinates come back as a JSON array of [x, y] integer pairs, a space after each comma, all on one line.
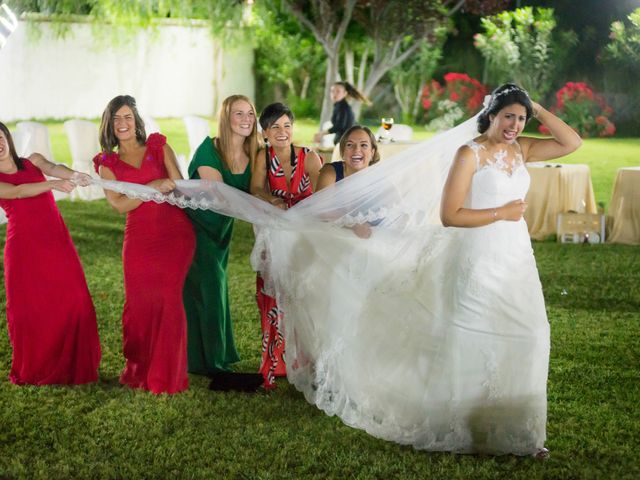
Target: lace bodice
[[498, 179]]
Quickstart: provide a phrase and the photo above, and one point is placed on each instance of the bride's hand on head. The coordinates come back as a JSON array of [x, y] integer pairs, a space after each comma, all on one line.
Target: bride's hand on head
[[512, 211], [536, 107]]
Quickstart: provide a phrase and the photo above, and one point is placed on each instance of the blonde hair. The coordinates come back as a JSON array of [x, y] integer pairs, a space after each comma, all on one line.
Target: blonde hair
[[223, 140]]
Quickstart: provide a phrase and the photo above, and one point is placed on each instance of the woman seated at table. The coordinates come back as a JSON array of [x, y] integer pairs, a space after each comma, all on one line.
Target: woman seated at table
[[282, 175]]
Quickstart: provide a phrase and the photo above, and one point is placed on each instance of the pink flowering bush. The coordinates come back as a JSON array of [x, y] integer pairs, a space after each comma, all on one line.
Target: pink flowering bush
[[456, 100], [583, 110]]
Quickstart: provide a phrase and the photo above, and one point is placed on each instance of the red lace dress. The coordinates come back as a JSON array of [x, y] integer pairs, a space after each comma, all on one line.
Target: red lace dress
[[158, 246], [50, 315], [299, 187]]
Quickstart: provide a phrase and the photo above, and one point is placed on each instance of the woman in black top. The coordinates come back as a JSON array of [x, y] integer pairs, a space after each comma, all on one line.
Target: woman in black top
[[342, 117]]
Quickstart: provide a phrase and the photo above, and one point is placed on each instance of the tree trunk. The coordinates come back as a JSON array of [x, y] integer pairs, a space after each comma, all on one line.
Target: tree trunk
[[416, 101], [277, 93], [292, 87], [305, 86], [330, 77], [357, 106], [348, 66]]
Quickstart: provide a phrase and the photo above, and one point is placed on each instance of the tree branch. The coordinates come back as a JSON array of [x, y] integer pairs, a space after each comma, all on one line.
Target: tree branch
[[346, 19], [455, 8]]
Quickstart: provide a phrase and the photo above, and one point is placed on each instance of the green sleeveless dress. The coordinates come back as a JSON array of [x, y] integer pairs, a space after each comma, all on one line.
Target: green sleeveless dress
[[210, 345]]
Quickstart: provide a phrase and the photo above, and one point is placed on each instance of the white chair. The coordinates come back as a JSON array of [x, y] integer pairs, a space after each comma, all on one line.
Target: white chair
[[21, 142], [198, 129], [150, 125], [84, 145], [39, 142], [400, 132], [327, 140], [183, 165], [38, 139]]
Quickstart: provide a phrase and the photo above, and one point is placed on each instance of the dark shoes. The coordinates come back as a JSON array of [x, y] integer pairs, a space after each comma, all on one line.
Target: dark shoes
[[235, 382]]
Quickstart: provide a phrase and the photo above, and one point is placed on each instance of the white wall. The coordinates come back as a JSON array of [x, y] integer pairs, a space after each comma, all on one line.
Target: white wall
[[176, 70]]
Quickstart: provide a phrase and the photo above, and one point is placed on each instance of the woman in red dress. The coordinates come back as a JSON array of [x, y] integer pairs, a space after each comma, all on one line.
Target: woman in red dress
[[50, 315], [157, 251], [282, 176]]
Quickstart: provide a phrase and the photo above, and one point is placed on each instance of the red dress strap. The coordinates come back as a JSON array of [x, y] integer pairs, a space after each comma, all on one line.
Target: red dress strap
[[108, 159], [155, 147]]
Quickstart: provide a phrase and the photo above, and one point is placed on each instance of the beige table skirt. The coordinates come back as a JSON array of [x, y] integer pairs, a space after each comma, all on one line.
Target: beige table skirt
[[555, 189], [623, 219]]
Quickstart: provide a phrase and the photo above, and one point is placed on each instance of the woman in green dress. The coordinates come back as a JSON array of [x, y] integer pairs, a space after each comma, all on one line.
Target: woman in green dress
[[226, 158]]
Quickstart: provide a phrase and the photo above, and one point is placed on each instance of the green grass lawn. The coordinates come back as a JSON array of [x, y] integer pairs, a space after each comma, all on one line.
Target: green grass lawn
[[604, 156], [107, 431]]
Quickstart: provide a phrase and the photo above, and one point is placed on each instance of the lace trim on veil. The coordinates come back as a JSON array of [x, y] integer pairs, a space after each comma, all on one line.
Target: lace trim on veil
[[344, 296]]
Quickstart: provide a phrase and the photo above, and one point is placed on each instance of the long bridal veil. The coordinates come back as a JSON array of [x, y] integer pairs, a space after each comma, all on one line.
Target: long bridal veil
[[367, 321]]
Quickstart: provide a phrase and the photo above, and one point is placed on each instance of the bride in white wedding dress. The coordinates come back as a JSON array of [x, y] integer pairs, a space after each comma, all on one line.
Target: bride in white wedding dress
[[435, 337], [420, 334]]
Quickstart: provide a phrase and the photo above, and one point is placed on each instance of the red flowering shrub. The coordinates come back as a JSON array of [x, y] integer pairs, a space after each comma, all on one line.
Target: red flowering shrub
[[457, 99], [583, 110]]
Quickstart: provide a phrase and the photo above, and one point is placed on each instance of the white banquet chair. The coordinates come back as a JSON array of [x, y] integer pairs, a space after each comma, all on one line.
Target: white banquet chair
[[327, 140], [198, 129], [38, 139], [84, 145], [39, 142], [150, 125], [21, 142]]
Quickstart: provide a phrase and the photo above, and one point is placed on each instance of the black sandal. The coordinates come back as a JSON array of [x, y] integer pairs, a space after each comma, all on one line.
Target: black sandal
[[236, 382]]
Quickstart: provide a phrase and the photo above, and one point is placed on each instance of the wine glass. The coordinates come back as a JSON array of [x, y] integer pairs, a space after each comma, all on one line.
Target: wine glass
[[387, 123]]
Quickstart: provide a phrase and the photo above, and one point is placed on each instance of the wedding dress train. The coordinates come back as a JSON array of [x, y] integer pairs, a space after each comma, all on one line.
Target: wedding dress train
[[423, 335]]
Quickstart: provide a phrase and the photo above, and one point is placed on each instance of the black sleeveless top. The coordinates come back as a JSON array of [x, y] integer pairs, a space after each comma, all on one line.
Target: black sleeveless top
[[339, 168]]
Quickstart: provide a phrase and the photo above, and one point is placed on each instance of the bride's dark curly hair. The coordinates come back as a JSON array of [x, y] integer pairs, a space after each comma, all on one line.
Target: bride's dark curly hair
[[501, 97]]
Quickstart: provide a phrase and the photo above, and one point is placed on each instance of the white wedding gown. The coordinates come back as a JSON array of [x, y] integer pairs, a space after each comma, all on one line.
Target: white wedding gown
[[423, 335], [447, 350]]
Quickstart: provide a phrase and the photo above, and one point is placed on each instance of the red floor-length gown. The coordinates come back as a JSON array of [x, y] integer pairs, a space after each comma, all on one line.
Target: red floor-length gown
[[50, 315], [158, 247]]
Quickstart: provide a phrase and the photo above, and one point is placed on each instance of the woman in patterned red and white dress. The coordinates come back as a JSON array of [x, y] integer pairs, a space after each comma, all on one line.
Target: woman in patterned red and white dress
[[283, 176]]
